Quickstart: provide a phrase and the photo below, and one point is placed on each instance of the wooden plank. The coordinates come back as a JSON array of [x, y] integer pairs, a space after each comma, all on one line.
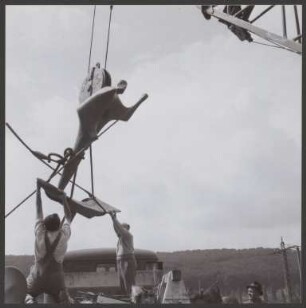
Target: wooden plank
[[87, 207], [95, 203]]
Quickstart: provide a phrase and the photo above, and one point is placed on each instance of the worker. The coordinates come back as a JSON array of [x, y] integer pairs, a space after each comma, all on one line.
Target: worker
[[51, 239], [255, 293], [204, 8], [126, 261], [244, 14]]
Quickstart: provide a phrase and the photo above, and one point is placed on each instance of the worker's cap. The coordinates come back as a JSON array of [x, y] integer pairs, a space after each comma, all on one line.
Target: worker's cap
[[255, 285], [52, 222], [15, 286]]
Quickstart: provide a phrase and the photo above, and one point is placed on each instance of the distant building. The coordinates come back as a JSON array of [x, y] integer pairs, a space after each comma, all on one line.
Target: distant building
[[94, 270]]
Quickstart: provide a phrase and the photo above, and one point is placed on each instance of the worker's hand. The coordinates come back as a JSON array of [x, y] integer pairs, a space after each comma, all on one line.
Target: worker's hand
[[69, 213], [112, 214], [62, 194], [39, 182]]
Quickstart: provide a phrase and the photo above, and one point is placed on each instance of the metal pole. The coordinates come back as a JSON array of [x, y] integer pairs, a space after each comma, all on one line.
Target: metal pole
[[242, 10], [284, 21], [300, 270], [286, 272], [263, 13], [297, 38], [298, 30]]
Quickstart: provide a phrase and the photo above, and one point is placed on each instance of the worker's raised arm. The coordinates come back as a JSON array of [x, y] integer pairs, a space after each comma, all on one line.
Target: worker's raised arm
[[39, 210], [69, 215], [119, 229]]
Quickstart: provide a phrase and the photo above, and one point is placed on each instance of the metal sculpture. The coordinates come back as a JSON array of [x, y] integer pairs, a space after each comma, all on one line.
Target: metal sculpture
[[95, 112], [100, 104]]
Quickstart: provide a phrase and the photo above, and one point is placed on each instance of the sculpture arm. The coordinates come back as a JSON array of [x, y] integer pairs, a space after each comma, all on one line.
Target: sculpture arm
[[120, 112]]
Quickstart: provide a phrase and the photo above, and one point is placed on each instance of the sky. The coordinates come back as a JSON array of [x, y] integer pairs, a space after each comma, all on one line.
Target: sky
[[212, 159]]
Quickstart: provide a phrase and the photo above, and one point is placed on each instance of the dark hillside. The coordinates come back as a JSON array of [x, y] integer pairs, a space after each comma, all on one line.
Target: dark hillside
[[233, 269]]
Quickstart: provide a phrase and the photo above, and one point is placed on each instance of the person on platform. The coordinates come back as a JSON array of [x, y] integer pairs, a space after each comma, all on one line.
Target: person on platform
[[126, 261]]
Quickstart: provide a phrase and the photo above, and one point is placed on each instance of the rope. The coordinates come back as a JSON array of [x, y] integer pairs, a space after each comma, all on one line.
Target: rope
[[108, 32], [268, 45], [101, 207], [15, 134], [55, 170], [73, 184], [91, 40], [68, 153], [275, 46], [106, 129], [33, 152], [107, 46], [91, 171], [19, 204], [88, 69]]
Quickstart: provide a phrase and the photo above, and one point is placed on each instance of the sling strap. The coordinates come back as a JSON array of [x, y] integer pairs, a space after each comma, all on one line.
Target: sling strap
[[51, 247]]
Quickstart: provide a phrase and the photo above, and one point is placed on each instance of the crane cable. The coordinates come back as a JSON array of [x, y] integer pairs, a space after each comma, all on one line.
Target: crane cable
[[105, 62], [91, 39], [108, 32], [269, 45]]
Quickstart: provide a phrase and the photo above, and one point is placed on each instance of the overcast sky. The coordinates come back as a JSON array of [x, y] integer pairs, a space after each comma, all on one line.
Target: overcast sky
[[211, 160]]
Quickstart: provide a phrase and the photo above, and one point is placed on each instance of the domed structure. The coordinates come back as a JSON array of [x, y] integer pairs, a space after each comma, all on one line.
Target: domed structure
[[95, 270]]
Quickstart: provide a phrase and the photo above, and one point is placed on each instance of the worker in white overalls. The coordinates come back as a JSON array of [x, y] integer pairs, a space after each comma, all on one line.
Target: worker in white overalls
[[51, 239]]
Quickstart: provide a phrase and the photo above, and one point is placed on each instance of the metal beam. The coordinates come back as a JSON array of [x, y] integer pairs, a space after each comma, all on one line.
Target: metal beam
[[297, 38], [271, 37], [242, 10], [284, 21], [262, 13], [297, 23]]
